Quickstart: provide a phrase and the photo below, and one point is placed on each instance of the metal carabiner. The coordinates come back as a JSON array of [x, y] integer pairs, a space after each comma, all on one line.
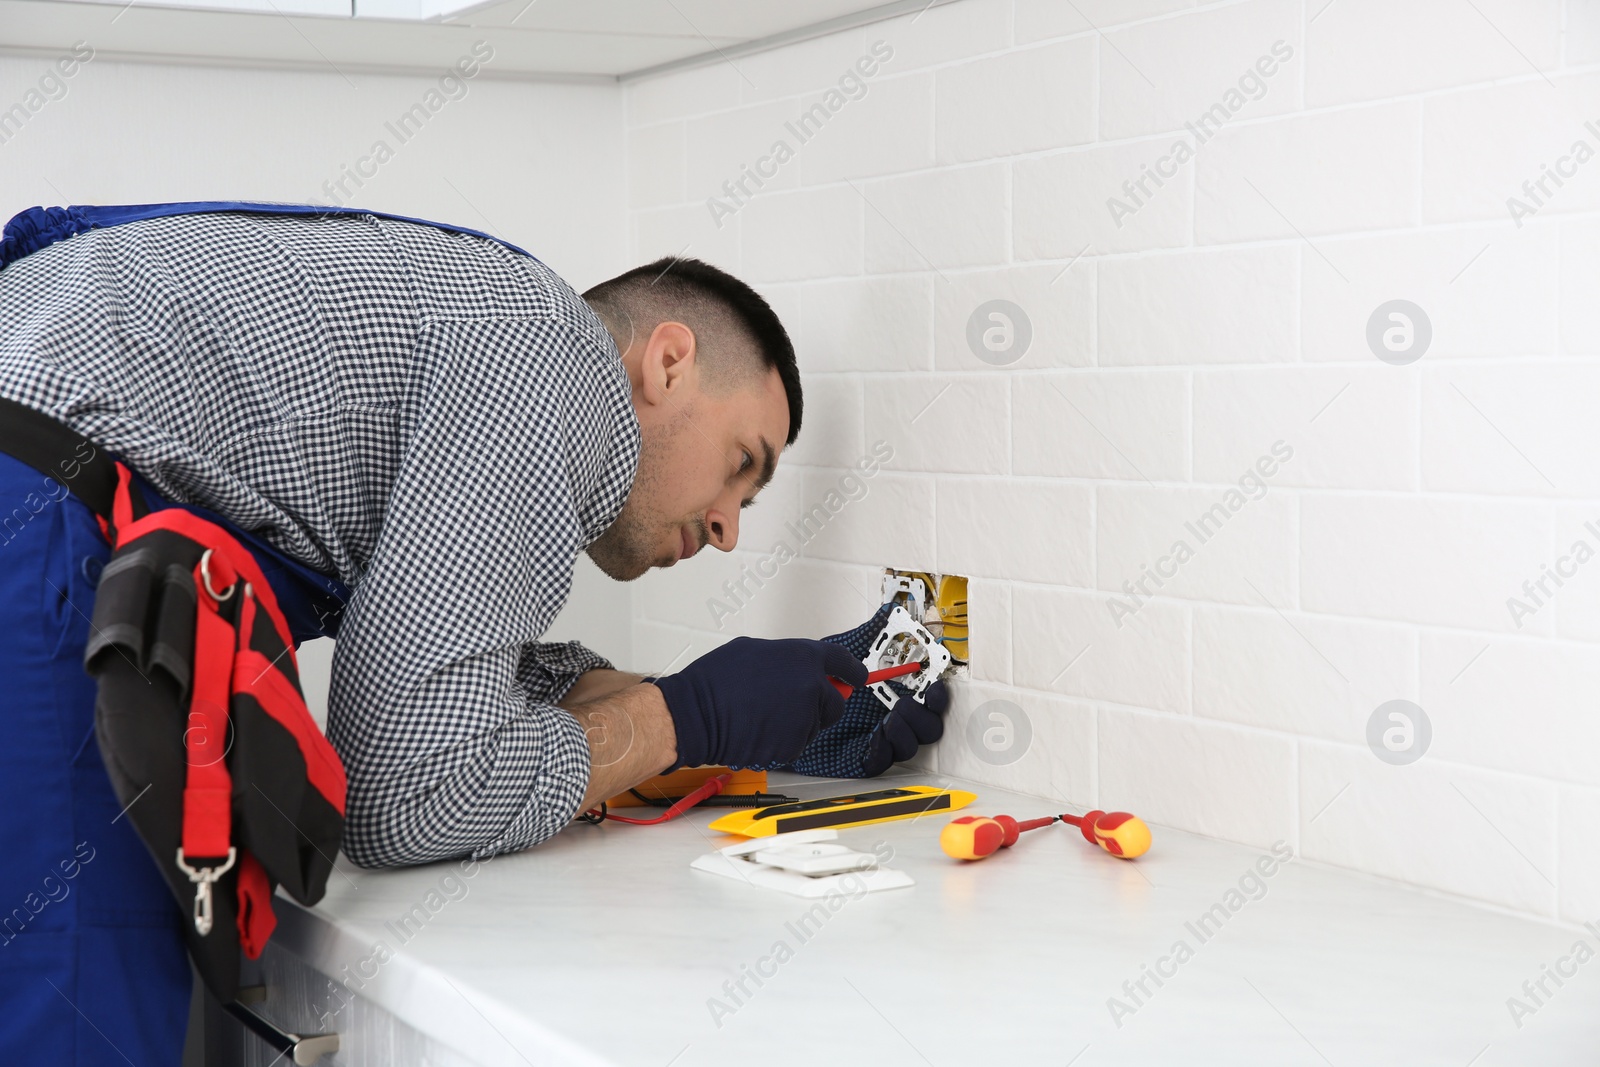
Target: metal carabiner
[[203, 879], [205, 578]]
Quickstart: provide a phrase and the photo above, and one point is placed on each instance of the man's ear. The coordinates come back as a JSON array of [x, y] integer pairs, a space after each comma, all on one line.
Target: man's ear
[[669, 369]]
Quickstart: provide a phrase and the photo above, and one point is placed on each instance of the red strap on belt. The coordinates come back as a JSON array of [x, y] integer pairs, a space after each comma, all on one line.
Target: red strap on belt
[[208, 788], [121, 506], [228, 585], [256, 920], [254, 677]]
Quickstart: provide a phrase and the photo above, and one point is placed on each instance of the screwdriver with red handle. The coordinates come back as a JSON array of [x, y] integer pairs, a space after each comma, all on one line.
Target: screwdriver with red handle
[[973, 837], [845, 689]]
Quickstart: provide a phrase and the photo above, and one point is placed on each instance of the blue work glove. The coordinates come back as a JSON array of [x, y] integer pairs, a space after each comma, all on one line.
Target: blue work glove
[[908, 726], [754, 703], [868, 739]]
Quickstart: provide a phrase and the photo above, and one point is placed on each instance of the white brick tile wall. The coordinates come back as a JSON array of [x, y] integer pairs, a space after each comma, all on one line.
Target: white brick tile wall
[[1522, 706], [656, 160], [1570, 587], [1348, 427], [1059, 305], [1017, 102], [1201, 776], [1065, 641], [1216, 306], [1126, 426], [888, 129], [1370, 49], [803, 67], [761, 526], [679, 595], [989, 617], [1580, 281], [661, 649], [741, 594], [1487, 290], [686, 231], [831, 428], [1583, 32], [813, 233], [1300, 674], [1527, 428], [1159, 76], [1223, 543], [1039, 19], [1479, 148], [940, 422], [1579, 846], [1313, 174], [1030, 530], [1474, 833], [947, 33], [1055, 760], [728, 146], [1060, 202], [1450, 562], [867, 324], [890, 518], [941, 218], [1192, 300], [690, 92]]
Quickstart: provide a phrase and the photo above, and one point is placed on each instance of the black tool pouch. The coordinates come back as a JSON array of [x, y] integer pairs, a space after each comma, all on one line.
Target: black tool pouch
[[204, 730]]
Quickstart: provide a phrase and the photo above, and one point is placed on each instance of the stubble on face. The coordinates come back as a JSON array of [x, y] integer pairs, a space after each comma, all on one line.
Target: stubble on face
[[632, 544]]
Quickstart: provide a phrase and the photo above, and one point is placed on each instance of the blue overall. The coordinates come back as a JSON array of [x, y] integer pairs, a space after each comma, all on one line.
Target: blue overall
[[92, 965], [92, 968]]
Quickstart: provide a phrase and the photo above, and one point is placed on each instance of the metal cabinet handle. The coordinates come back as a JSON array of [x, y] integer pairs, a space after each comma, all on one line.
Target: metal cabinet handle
[[303, 1049]]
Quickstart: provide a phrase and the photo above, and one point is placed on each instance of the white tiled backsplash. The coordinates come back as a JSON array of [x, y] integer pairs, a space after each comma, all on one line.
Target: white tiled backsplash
[[1216, 320]]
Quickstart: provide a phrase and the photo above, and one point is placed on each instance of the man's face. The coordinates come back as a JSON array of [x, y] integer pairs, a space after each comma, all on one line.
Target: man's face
[[704, 456]]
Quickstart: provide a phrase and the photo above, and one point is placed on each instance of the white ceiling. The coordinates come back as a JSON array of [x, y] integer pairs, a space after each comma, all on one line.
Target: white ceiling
[[531, 38]]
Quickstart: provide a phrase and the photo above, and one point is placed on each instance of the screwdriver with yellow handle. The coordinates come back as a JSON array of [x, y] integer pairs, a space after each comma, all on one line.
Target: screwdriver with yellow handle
[[974, 837]]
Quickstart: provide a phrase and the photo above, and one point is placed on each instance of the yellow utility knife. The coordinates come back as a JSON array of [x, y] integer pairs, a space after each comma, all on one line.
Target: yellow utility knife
[[834, 813]]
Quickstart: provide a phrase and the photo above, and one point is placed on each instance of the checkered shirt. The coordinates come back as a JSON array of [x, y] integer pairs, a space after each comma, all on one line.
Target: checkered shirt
[[441, 423]]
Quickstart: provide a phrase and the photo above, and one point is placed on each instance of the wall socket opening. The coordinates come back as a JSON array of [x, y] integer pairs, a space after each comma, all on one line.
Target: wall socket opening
[[939, 603]]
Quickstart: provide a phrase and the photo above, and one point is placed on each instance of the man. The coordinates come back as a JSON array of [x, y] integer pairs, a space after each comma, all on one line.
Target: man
[[439, 424]]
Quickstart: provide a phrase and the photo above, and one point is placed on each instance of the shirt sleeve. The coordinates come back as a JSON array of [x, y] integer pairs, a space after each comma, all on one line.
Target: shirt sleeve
[[548, 669], [442, 703]]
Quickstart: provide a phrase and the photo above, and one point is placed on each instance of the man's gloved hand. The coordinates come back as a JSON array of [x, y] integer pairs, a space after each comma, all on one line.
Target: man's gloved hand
[[752, 703], [907, 726]]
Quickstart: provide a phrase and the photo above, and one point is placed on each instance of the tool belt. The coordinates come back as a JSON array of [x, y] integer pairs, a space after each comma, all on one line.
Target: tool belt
[[199, 716]]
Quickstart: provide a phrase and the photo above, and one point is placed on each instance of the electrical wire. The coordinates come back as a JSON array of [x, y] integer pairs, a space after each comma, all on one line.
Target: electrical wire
[[951, 601], [722, 800], [709, 788]]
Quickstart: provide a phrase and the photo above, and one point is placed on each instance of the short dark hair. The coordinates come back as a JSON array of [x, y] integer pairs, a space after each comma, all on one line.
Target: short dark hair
[[688, 285]]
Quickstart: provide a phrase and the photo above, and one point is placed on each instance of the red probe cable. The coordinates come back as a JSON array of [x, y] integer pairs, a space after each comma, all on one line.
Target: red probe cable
[[712, 786], [709, 788]]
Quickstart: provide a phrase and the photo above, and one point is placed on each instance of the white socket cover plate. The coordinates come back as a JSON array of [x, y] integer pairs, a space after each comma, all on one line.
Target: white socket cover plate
[[901, 624]]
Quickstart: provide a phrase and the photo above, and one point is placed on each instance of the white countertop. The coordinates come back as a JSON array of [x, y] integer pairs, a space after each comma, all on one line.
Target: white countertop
[[602, 946]]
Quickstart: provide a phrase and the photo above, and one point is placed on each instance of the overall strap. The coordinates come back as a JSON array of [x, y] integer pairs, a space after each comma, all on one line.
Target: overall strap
[[53, 450], [311, 602]]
